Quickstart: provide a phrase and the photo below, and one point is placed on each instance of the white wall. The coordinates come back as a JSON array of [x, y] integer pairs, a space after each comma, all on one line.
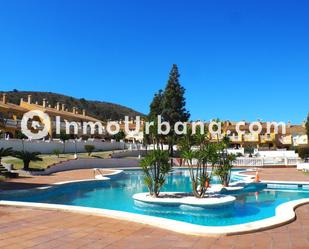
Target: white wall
[[236, 151], [277, 153], [50, 146]]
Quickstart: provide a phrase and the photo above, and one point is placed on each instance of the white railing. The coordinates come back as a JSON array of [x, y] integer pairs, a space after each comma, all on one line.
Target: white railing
[[265, 161], [248, 161], [258, 161]]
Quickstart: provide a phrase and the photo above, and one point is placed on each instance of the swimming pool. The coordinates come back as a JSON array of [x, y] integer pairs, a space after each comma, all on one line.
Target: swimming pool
[[254, 203]]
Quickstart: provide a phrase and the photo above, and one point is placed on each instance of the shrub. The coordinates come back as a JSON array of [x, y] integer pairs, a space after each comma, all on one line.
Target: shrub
[[56, 152], [303, 152], [119, 136], [155, 167], [89, 148], [249, 150], [27, 157], [239, 154]]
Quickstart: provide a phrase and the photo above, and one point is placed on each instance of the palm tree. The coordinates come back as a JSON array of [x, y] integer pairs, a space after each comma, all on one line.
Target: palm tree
[[27, 157], [200, 176], [155, 167], [225, 164], [5, 152], [197, 151]]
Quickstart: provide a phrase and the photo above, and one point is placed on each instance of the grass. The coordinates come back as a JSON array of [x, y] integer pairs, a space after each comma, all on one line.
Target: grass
[[50, 159]]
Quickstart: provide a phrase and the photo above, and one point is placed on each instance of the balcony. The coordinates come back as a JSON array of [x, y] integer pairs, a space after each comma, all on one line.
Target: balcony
[[235, 139], [286, 139], [11, 123], [267, 138], [251, 137], [300, 140]]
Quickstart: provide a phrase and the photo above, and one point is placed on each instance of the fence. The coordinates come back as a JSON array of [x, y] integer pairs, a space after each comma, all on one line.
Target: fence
[[48, 146], [266, 161], [255, 161]]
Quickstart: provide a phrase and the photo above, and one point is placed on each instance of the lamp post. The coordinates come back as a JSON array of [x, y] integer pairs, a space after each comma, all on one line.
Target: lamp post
[[75, 155]]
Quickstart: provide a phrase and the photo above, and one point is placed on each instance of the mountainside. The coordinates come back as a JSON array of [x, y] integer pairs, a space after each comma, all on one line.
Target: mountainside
[[97, 109]]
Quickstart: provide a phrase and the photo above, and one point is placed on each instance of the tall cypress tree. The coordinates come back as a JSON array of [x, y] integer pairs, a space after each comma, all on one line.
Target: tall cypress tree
[[156, 105], [174, 104], [155, 110]]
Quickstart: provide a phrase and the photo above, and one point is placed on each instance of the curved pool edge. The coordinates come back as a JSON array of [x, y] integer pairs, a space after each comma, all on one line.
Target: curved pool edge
[[214, 200], [285, 213], [109, 176]]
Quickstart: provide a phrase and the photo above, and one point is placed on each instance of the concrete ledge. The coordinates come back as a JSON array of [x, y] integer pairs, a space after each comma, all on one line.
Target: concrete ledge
[[176, 198]]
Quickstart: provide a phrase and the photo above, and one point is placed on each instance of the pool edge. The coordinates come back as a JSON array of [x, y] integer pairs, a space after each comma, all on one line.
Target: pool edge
[[285, 213]]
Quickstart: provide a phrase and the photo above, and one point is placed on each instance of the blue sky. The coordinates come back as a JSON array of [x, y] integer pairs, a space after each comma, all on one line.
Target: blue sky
[[238, 59]]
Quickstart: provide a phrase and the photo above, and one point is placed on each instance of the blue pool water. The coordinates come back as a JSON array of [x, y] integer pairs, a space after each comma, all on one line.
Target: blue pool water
[[252, 204]]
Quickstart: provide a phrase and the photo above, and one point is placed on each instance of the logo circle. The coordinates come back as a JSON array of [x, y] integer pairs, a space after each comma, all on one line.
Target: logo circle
[[44, 119]]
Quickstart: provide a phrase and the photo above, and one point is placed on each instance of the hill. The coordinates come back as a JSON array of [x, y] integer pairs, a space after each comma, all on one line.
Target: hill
[[97, 109]]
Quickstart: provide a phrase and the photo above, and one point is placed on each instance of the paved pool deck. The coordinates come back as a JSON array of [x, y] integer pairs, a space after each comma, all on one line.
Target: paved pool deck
[[37, 228], [27, 182]]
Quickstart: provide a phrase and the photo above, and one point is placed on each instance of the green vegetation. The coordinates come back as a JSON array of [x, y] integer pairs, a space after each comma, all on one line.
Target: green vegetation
[[5, 152], [98, 109], [57, 152], [155, 109], [170, 104], [249, 150], [173, 105], [303, 152], [47, 160], [198, 159], [89, 148], [51, 159], [63, 137], [225, 164], [119, 136], [155, 167], [27, 157]]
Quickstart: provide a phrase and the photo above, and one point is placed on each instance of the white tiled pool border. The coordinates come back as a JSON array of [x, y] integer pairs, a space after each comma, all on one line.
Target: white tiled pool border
[[284, 214]]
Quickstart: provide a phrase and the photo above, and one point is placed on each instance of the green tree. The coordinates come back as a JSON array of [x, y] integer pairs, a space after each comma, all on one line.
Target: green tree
[[155, 110], [5, 152], [63, 137], [156, 105], [20, 135], [89, 148], [119, 136], [155, 167], [225, 164], [173, 105], [249, 150], [27, 157], [198, 160]]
